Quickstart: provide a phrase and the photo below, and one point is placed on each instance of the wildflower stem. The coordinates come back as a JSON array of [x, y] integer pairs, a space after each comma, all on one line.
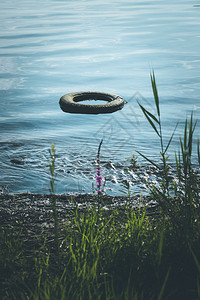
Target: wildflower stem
[[52, 153], [99, 180]]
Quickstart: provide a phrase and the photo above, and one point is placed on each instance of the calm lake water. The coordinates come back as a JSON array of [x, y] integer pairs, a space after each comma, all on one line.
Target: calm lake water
[[54, 47]]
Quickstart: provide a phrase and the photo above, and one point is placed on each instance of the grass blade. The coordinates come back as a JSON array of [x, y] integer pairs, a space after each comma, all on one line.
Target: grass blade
[[191, 132], [178, 169], [148, 115], [195, 259], [149, 160], [190, 137], [160, 296], [155, 92], [160, 247], [198, 152], [171, 138], [185, 135]]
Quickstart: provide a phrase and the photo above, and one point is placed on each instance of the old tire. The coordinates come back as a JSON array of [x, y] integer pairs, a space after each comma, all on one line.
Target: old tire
[[71, 103]]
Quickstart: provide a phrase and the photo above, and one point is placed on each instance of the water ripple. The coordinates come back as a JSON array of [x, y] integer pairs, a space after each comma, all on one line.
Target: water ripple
[[59, 47]]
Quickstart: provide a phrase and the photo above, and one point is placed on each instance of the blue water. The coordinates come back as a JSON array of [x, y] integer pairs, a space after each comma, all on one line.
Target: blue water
[[51, 48]]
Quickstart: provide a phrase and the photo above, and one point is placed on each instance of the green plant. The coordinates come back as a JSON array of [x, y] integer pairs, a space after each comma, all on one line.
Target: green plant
[[99, 178], [156, 124], [133, 161], [183, 196], [127, 188], [120, 253], [51, 161], [187, 187]]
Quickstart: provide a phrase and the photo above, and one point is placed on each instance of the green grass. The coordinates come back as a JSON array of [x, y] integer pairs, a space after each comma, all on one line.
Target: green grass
[[115, 254], [121, 253]]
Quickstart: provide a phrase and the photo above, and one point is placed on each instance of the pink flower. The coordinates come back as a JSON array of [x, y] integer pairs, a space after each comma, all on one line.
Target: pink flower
[[99, 179]]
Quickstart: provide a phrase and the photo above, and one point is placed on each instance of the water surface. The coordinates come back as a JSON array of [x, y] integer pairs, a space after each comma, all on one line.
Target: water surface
[[58, 47]]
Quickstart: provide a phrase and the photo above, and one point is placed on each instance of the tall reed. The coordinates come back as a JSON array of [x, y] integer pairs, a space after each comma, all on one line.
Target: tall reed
[[156, 124], [179, 199], [51, 161]]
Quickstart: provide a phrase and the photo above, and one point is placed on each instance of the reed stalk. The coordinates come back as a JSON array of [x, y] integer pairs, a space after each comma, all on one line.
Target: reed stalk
[[51, 161]]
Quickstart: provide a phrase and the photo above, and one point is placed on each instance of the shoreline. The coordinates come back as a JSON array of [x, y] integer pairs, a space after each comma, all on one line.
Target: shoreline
[[32, 214], [27, 207]]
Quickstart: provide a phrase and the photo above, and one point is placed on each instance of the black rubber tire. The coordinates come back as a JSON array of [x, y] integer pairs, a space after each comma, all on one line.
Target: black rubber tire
[[70, 103]]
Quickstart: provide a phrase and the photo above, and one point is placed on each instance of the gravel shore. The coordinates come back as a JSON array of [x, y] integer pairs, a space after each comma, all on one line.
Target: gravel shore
[[33, 212], [26, 207]]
